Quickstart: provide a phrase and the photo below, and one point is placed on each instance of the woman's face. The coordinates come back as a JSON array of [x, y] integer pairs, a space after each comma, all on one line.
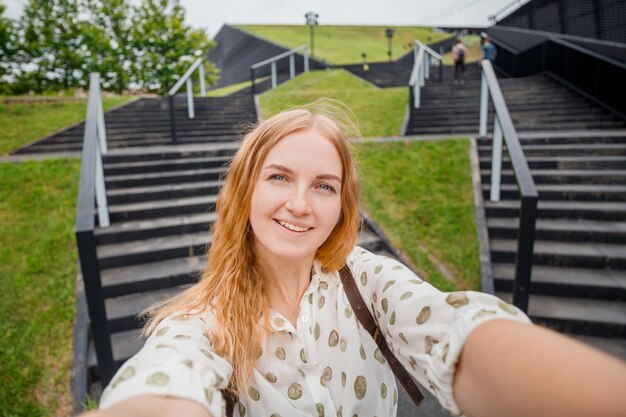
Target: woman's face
[[296, 201]]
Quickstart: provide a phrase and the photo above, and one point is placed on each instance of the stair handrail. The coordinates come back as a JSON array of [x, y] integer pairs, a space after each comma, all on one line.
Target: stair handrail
[[92, 188], [423, 56], [503, 128], [186, 79], [272, 61]]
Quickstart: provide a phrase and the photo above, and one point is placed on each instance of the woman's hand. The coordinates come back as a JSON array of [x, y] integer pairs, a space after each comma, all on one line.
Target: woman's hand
[[152, 406], [514, 369]]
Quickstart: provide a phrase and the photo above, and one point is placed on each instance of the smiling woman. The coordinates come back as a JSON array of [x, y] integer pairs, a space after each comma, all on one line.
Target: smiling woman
[[270, 324]]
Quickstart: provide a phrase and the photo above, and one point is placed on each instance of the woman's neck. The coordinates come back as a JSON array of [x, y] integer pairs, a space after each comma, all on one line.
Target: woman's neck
[[286, 284]]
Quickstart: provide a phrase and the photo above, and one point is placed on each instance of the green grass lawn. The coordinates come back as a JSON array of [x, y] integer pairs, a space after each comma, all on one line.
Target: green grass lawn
[[421, 194], [344, 44], [24, 122], [380, 111], [37, 280]]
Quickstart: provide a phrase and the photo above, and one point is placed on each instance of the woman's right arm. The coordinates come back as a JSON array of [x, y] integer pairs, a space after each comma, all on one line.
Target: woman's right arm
[[150, 406], [176, 373]]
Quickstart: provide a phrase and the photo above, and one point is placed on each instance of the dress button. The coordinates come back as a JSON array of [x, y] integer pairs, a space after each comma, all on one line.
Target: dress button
[[304, 318]]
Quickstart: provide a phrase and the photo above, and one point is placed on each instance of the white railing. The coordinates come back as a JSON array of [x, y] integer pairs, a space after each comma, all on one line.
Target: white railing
[[423, 59], [96, 138], [186, 78], [273, 60]]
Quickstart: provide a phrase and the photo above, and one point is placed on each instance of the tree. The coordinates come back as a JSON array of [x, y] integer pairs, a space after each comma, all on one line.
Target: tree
[[110, 38], [164, 46], [7, 47]]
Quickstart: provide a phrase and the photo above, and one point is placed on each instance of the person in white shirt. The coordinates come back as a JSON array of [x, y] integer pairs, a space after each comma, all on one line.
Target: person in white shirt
[[269, 320]]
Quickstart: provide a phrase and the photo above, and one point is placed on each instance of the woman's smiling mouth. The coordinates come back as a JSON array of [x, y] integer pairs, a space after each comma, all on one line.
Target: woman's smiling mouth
[[292, 227]]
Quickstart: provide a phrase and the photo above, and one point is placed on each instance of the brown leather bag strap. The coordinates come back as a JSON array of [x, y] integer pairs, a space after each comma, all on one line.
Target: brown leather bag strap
[[368, 322]]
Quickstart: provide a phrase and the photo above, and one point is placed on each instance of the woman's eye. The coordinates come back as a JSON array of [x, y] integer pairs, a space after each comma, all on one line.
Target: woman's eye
[[327, 187], [277, 177]]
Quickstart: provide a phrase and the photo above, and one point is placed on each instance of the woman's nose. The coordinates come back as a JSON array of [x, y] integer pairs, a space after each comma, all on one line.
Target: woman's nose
[[298, 204]]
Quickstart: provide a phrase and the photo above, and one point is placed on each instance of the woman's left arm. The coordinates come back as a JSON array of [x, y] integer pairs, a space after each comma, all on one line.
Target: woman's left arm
[[516, 369]]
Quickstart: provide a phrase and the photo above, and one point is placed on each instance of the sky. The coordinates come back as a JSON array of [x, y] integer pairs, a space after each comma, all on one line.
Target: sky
[[211, 14]]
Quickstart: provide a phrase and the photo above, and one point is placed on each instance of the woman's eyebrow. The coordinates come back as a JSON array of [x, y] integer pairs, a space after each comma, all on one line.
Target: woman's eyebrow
[[289, 171]]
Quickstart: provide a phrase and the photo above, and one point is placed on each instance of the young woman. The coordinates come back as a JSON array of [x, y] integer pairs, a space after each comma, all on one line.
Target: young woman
[[270, 320]]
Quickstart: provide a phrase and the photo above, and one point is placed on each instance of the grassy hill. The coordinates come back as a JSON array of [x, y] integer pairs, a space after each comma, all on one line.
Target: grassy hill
[[380, 111], [344, 44]]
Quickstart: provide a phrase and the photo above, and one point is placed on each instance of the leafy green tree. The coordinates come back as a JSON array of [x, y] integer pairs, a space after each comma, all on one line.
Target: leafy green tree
[[7, 48], [164, 45], [109, 36], [53, 46]]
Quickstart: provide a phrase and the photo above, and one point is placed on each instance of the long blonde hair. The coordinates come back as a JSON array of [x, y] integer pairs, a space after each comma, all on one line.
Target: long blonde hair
[[232, 286]]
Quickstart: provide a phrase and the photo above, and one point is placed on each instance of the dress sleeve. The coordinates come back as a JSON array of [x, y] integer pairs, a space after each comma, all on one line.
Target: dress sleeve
[[424, 327], [175, 361]]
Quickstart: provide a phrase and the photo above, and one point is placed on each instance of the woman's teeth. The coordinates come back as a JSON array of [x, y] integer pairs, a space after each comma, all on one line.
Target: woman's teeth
[[293, 227]]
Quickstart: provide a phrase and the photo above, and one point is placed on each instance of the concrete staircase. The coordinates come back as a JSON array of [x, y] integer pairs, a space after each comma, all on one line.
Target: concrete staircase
[[536, 103], [146, 122], [579, 272]]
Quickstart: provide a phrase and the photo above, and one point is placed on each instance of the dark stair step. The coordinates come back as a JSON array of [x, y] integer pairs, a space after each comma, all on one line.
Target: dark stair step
[[157, 178], [591, 210], [152, 228], [162, 192], [604, 284], [162, 208], [569, 192], [562, 230], [111, 169], [563, 176], [151, 276], [566, 254], [564, 162], [577, 315], [153, 249]]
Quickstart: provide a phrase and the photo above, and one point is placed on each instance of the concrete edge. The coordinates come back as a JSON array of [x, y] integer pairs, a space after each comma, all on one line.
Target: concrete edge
[[63, 129], [257, 108], [406, 121], [80, 367], [484, 254], [374, 227]]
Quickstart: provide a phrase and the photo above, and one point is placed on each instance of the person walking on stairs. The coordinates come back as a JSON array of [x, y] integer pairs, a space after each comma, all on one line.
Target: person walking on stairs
[[487, 49], [459, 50]]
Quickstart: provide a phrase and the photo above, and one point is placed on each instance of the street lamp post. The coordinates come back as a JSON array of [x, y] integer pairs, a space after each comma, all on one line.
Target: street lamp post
[[311, 20], [389, 35]]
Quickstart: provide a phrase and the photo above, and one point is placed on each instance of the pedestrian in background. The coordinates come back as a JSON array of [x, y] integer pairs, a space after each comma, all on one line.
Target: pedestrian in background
[[459, 50]]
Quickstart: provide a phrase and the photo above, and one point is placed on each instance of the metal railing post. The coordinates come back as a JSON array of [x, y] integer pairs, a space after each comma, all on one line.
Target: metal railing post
[[101, 194], [525, 248], [202, 80], [252, 87], [496, 160], [306, 61], [102, 132], [90, 268], [427, 61], [416, 95], [191, 110], [170, 100], [292, 66], [484, 102], [273, 66], [441, 64]]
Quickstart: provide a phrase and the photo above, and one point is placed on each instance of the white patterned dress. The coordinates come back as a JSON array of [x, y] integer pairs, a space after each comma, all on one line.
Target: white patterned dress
[[328, 365]]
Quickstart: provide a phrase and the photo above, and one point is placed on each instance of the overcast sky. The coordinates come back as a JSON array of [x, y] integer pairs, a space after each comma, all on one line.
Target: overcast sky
[[212, 14]]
